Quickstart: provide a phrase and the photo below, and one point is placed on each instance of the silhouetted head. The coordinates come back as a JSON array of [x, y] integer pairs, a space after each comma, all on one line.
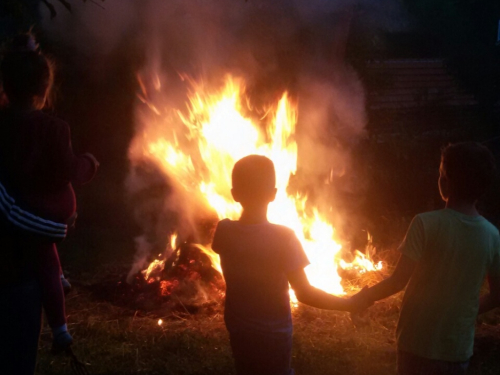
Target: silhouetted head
[[467, 170], [27, 75], [254, 181]]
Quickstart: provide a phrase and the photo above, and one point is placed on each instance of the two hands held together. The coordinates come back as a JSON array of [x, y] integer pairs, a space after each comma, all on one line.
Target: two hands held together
[[358, 305]]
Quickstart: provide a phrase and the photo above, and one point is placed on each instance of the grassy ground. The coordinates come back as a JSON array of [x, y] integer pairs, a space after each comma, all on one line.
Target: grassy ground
[[115, 340]]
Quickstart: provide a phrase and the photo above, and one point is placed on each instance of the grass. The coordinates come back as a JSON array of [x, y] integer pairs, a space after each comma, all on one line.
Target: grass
[[115, 340]]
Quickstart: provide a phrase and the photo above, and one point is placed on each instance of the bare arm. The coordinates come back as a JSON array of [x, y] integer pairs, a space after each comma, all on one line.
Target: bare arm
[[394, 283], [315, 297], [492, 299]]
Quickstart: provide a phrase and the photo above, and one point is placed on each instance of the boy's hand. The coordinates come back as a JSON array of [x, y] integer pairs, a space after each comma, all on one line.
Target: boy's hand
[[360, 301]]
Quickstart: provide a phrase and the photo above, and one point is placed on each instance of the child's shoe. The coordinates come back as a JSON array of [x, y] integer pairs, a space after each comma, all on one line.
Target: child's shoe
[[65, 284], [61, 339]]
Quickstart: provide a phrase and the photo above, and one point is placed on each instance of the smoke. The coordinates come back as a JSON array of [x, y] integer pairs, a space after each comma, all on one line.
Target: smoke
[[293, 45], [211, 33]]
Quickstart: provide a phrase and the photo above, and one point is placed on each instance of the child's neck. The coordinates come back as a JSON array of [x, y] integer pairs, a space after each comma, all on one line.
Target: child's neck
[[466, 208], [254, 215]]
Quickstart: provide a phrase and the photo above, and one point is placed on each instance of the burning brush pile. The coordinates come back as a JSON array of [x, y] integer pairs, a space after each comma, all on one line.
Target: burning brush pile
[[181, 174], [185, 281]]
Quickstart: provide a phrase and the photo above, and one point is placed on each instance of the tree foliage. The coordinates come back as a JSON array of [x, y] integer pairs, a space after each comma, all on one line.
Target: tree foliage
[[52, 9], [27, 9], [66, 4]]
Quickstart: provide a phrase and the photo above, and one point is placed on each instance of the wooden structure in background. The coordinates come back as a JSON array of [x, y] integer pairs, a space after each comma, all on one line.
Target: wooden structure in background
[[411, 84], [416, 94]]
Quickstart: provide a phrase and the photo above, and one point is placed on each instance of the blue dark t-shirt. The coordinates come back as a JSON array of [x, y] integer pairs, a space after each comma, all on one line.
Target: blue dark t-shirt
[[255, 260]]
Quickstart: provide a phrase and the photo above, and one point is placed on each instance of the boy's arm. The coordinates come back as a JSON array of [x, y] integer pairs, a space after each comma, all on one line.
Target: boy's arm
[[492, 299], [315, 297], [411, 251], [392, 285]]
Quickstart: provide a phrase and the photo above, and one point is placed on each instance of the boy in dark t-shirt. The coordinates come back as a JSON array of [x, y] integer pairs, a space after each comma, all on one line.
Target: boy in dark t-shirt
[[259, 260]]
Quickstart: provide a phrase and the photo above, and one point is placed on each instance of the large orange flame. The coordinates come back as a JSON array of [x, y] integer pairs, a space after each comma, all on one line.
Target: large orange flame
[[215, 134]]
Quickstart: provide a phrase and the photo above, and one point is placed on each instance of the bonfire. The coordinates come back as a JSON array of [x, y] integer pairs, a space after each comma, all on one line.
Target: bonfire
[[195, 149]]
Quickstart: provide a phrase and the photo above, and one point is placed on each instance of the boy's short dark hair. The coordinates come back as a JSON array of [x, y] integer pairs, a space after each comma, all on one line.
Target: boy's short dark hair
[[253, 174], [470, 169]]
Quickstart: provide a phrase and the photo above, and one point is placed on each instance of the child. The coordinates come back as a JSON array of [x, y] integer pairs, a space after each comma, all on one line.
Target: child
[[445, 257], [259, 260], [37, 166]]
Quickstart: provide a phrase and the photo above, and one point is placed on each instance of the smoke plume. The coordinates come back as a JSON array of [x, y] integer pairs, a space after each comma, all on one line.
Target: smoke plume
[[281, 45]]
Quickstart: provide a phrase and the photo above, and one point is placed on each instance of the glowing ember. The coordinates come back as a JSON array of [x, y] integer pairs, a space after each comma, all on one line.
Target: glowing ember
[[160, 322], [198, 149], [156, 265]]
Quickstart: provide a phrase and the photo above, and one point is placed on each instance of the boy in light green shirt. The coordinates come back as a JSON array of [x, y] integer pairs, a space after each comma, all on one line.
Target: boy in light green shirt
[[445, 258]]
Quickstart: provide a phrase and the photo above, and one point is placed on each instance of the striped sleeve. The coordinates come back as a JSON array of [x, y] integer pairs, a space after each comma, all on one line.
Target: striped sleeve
[[26, 221]]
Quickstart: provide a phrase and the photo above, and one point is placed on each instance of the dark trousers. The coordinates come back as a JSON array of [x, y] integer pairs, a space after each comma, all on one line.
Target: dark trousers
[[20, 323], [261, 353], [409, 364]]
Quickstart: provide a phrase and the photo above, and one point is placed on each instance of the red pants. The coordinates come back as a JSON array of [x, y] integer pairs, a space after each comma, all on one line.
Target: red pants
[[49, 270]]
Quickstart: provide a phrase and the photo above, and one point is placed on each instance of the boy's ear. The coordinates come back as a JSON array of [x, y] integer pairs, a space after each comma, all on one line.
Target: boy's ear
[[444, 187]]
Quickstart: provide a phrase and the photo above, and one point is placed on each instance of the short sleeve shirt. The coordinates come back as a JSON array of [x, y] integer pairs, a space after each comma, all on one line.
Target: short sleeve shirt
[[454, 253], [255, 260]]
